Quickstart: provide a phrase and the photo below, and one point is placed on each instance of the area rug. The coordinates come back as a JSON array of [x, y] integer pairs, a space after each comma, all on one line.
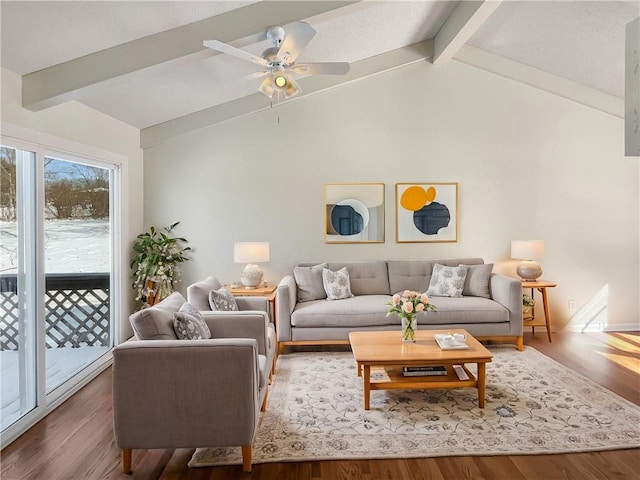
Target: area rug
[[534, 405]]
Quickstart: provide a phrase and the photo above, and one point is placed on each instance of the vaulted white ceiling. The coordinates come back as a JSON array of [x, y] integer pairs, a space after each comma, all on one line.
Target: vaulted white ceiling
[[143, 62]]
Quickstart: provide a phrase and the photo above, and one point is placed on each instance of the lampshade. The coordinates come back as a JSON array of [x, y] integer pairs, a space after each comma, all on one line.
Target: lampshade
[[250, 252], [527, 249]]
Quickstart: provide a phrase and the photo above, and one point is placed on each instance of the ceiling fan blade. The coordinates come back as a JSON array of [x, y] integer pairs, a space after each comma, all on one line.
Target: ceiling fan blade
[[254, 75], [298, 36], [236, 52], [328, 68]]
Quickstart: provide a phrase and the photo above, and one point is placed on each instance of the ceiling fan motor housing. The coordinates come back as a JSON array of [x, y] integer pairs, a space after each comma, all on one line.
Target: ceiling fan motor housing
[[276, 36]]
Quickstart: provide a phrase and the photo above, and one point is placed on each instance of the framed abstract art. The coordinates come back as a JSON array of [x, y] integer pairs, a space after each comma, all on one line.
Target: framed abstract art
[[354, 213], [426, 212]]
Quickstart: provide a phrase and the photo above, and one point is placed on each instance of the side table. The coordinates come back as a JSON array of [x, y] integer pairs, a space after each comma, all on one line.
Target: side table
[[269, 293], [541, 286]]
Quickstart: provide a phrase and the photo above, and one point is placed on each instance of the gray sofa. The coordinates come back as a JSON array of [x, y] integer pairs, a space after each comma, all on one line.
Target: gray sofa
[[319, 321]]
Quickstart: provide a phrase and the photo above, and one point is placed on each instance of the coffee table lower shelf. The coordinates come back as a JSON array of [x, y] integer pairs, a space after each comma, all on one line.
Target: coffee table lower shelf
[[398, 381]]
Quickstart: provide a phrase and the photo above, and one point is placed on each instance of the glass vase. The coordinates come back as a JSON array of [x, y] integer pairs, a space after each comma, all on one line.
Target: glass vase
[[409, 327]]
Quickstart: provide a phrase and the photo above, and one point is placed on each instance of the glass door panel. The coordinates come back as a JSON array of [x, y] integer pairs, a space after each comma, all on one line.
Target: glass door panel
[[17, 306], [77, 267]]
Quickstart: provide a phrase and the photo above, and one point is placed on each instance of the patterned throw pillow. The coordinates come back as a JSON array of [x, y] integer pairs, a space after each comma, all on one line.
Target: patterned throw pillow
[[447, 281], [336, 284], [189, 324], [222, 300]]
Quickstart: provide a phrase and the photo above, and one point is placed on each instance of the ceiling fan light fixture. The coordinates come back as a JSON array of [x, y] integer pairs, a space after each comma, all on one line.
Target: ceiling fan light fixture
[[266, 87], [280, 80], [292, 88]]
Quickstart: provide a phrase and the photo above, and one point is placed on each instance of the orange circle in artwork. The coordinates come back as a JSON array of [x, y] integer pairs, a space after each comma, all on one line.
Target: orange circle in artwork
[[430, 195], [413, 198]]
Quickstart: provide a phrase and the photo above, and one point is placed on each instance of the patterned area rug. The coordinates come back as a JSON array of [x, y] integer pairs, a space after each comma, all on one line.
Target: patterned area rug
[[533, 406]]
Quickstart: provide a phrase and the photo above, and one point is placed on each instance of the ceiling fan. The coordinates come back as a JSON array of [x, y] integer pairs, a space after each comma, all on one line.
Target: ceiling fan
[[279, 61]]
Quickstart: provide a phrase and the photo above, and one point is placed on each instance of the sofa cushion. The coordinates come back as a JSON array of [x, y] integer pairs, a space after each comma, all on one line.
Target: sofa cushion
[[447, 281], [156, 322], [222, 300], [366, 278], [465, 310], [336, 284], [358, 311], [476, 283], [189, 324], [406, 275], [309, 282]]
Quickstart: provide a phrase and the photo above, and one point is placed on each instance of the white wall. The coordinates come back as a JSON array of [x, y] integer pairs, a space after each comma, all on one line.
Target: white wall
[[78, 123], [529, 165]]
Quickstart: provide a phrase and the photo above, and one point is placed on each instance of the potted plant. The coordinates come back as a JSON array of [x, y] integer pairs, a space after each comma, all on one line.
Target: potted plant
[[155, 263], [527, 303]]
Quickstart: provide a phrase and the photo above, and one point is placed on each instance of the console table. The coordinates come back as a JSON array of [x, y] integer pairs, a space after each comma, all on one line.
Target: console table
[[541, 286]]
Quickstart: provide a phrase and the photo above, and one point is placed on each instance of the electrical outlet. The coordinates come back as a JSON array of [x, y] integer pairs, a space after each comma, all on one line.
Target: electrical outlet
[[572, 306]]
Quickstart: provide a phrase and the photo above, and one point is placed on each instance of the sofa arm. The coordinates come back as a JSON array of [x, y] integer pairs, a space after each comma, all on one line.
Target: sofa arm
[[285, 303], [507, 291], [239, 324], [185, 393]]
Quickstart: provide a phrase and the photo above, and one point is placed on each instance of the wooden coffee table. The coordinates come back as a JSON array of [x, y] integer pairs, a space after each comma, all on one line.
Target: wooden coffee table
[[385, 349]]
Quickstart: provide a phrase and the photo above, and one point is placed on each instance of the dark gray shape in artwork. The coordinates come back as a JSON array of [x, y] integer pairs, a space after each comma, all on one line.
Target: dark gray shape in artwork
[[346, 221], [431, 218]]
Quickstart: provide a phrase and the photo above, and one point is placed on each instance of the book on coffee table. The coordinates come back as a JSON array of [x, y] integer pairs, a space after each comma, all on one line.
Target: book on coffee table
[[425, 370]]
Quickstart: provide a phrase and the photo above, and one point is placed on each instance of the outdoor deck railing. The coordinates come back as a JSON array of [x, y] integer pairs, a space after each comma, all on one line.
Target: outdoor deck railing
[[76, 310]]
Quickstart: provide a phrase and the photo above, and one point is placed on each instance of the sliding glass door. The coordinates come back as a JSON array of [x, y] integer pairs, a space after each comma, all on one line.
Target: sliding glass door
[[77, 265], [17, 284], [57, 264]]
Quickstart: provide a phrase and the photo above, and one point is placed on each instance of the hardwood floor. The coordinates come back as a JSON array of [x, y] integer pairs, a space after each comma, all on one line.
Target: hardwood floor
[[76, 440]]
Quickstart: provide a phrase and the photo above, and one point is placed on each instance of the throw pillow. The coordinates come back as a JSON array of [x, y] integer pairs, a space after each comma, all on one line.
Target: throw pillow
[[336, 284], [222, 300], [189, 324], [447, 281], [309, 282], [476, 283]]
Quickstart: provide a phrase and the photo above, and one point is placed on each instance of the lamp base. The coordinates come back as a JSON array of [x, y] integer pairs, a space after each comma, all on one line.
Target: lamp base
[[529, 271], [251, 276]]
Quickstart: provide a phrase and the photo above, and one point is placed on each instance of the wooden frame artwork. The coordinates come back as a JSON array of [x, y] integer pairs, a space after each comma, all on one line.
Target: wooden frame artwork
[[354, 213], [426, 212]]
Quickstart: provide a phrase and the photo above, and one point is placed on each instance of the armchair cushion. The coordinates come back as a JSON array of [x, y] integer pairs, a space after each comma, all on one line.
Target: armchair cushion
[[156, 322], [198, 293], [222, 300], [189, 324]]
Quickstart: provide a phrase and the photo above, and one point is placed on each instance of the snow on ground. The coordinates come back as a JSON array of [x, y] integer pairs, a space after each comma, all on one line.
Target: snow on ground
[[62, 364], [71, 246]]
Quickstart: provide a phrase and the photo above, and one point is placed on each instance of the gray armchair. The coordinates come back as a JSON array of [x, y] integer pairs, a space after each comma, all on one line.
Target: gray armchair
[[198, 296], [170, 393]]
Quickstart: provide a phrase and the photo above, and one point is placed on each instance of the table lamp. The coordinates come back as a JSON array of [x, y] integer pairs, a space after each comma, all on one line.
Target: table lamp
[[529, 251], [251, 253]]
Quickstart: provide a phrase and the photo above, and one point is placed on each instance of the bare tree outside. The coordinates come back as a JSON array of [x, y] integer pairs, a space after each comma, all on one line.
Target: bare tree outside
[[7, 184], [74, 190]]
